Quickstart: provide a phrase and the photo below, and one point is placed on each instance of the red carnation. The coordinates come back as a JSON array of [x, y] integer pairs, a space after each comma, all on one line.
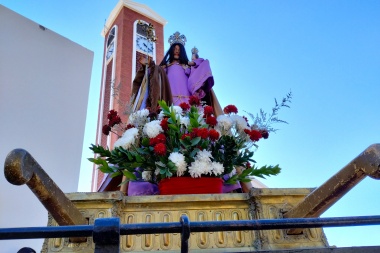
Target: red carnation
[[208, 110], [247, 131], [203, 133], [214, 135], [264, 133], [106, 129], [230, 109], [111, 114], [114, 120], [161, 138], [255, 135], [248, 165], [193, 100], [160, 149], [164, 124], [185, 106], [184, 136], [194, 133], [211, 120]]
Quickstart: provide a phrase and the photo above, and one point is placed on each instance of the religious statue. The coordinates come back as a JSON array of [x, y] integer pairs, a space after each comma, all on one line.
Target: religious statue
[[174, 80]]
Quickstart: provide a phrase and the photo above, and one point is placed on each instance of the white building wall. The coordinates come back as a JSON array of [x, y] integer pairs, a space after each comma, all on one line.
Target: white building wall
[[44, 87]]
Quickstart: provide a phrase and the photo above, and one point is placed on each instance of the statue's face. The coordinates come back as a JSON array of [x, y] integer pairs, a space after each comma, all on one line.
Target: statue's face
[[176, 52]]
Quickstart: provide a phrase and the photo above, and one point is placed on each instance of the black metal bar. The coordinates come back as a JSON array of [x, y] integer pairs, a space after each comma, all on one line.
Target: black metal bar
[[107, 235], [177, 227], [46, 232], [185, 235]]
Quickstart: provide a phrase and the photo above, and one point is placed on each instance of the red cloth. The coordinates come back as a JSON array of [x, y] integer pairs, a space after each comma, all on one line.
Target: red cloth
[[189, 185]]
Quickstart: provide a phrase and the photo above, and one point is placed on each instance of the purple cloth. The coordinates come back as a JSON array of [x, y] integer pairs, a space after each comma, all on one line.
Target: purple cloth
[[201, 76], [230, 187], [141, 188], [178, 76]]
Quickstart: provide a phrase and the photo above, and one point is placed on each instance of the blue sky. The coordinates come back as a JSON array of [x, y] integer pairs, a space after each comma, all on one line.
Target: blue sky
[[326, 52]]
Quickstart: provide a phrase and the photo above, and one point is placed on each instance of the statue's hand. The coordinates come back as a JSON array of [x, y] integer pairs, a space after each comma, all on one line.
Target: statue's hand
[[191, 63]]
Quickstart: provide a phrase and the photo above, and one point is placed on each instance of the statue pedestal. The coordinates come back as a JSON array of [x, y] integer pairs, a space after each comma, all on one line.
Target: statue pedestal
[[265, 203]]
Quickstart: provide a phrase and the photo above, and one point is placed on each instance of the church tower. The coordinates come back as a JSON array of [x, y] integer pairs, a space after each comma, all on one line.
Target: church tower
[[125, 41]]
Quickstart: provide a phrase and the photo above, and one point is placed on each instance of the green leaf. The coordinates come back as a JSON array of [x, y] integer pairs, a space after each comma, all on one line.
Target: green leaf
[[195, 141], [129, 175]]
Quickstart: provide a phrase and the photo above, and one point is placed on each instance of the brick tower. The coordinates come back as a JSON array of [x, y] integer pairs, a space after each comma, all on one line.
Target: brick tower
[[124, 42]]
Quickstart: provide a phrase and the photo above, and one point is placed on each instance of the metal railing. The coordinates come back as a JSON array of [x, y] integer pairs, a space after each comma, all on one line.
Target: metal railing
[[106, 232]]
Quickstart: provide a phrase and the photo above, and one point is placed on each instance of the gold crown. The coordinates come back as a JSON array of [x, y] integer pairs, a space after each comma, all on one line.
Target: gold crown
[[177, 38]]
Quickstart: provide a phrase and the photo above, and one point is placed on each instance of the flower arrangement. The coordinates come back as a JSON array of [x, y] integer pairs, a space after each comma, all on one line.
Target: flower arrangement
[[186, 140]]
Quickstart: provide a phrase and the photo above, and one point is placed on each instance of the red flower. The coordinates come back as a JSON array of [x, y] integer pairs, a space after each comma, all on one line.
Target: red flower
[[114, 120], [264, 133], [230, 109], [214, 135], [255, 135], [193, 100], [111, 114], [160, 149], [129, 126], [247, 131], [161, 138], [203, 133], [164, 124], [248, 165], [208, 110], [185, 106], [194, 133], [184, 136], [211, 120], [106, 129]]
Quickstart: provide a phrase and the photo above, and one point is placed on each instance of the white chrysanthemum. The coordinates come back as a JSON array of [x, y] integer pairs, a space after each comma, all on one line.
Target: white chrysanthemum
[[157, 172], [202, 164], [128, 139], [177, 109], [179, 160], [217, 168], [224, 122], [153, 128], [239, 122], [139, 118], [146, 175], [197, 168], [204, 155], [185, 121], [161, 115]]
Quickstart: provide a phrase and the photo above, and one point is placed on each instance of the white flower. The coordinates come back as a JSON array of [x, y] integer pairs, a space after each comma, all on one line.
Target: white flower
[[197, 168], [146, 175], [157, 172], [139, 118], [204, 155], [202, 164], [128, 139], [185, 121], [153, 128], [217, 168], [177, 109], [224, 122], [179, 160], [239, 122]]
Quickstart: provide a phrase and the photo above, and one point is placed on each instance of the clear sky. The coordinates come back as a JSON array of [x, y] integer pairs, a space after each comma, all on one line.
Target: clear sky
[[326, 52]]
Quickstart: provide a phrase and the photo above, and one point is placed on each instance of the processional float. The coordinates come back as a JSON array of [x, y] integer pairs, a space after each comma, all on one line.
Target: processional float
[[263, 220]]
